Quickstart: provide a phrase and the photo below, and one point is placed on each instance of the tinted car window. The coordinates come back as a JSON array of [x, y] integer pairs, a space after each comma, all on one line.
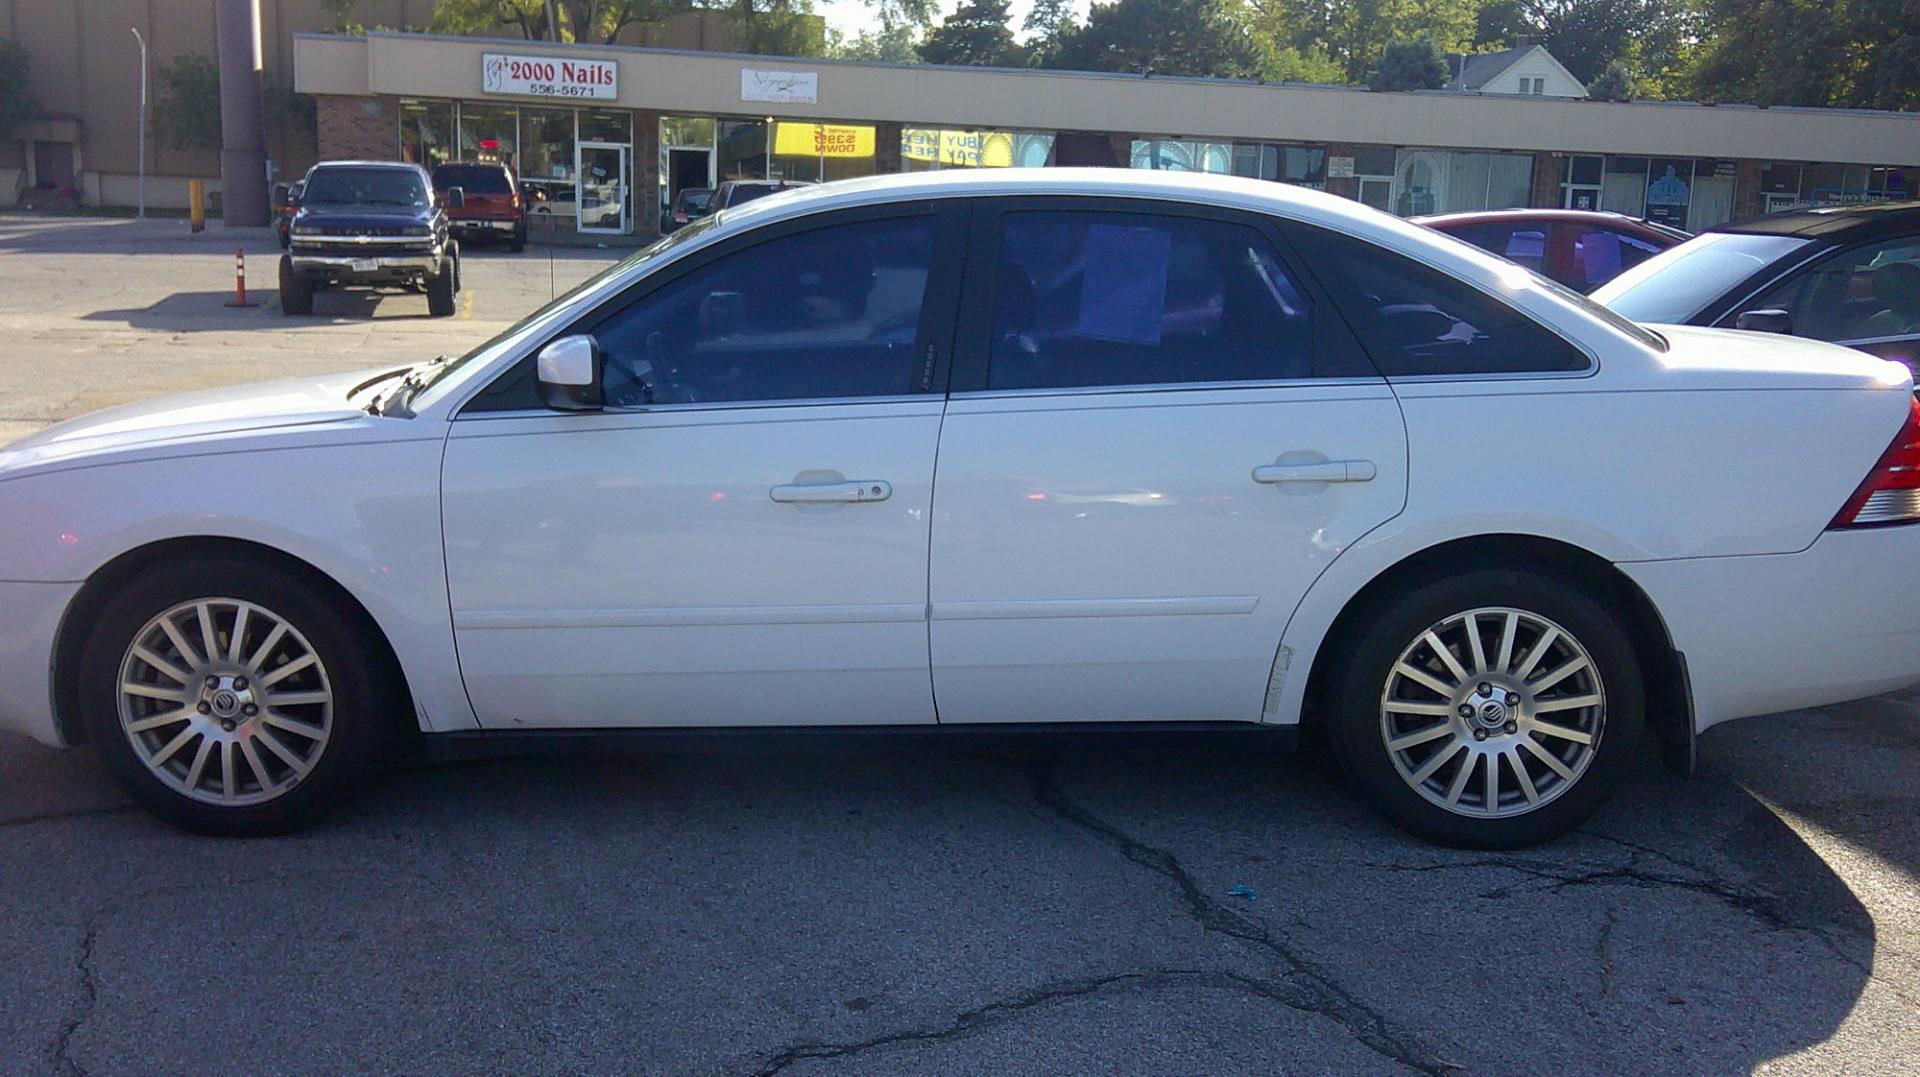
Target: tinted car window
[[474, 179], [1678, 284], [1601, 254], [1858, 294], [365, 187], [822, 314], [1524, 244], [1417, 321], [1083, 299]]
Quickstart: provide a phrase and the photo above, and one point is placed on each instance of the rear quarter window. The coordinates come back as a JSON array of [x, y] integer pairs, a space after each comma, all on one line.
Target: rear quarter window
[[1415, 321]]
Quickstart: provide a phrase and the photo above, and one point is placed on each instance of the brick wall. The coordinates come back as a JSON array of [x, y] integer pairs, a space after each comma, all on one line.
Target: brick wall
[[1548, 170], [365, 128], [646, 174]]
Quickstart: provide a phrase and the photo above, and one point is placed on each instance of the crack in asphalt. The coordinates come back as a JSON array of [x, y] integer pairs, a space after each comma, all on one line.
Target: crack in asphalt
[[983, 1017], [89, 996], [1603, 950], [52, 816], [1318, 991]]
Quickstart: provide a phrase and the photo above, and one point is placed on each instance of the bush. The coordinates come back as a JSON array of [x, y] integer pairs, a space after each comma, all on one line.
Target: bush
[[1616, 83]]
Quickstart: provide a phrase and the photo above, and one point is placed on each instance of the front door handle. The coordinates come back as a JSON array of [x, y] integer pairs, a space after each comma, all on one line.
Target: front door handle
[[1323, 471], [815, 493]]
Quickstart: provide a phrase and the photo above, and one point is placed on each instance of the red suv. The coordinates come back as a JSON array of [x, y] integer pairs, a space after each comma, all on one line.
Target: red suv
[[493, 208]]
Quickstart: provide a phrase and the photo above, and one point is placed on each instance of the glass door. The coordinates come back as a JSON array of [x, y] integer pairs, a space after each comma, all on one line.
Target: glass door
[[601, 183]]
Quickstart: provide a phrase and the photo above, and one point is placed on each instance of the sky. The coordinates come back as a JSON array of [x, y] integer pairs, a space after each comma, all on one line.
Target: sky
[[852, 16]]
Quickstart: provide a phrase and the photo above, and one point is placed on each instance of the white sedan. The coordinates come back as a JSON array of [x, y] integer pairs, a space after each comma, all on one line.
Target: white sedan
[[970, 449]]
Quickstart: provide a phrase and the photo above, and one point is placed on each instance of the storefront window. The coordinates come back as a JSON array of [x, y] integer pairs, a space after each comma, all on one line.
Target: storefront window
[[604, 126], [927, 148], [547, 149], [490, 133], [1179, 155], [686, 130], [741, 146], [426, 132]]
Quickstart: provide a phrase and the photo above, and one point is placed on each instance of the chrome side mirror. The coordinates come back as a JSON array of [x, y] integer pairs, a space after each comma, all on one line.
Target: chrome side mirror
[[1770, 320], [567, 372]]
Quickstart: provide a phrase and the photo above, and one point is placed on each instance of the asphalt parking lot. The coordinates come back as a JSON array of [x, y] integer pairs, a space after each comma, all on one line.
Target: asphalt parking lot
[[922, 904]]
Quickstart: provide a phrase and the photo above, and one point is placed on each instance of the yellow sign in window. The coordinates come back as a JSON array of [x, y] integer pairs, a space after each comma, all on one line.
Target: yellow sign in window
[[822, 140], [972, 149]]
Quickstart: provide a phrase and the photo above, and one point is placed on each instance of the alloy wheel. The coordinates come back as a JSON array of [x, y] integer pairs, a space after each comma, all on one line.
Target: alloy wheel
[[1492, 712], [225, 701]]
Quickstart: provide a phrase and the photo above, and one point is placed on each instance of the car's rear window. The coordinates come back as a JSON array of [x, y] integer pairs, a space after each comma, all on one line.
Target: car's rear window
[[1675, 286], [748, 192], [480, 179]]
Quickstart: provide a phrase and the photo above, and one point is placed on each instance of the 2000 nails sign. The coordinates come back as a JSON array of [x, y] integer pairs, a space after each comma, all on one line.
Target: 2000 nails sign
[[545, 76]]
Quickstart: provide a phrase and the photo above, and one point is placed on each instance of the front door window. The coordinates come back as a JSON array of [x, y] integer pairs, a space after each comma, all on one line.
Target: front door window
[[602, 187]]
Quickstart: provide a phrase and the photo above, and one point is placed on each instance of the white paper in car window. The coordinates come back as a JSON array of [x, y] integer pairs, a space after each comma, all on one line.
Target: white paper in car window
[[1123, 293]]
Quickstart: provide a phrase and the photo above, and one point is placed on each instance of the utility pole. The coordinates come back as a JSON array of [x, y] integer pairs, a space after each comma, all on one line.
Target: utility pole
[[141, 140], [243, 157]]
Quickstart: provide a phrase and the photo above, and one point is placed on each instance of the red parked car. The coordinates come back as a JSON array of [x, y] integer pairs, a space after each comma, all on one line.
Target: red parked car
[[493, 207], [1581, 249]]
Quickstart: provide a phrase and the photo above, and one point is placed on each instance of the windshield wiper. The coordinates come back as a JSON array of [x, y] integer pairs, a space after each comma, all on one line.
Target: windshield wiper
[[397, 402]]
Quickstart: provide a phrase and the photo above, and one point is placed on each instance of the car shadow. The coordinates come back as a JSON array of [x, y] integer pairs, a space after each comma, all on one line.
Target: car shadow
[[820, 892], [191, 312]]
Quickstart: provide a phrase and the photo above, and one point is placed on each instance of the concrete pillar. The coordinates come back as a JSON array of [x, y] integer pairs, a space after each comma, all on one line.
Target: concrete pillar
[[243, 155]]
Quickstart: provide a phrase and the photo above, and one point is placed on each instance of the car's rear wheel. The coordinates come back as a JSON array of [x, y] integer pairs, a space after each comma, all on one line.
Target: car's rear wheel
[[296, 294], [1491, 710], [227, 698], [519, 241]]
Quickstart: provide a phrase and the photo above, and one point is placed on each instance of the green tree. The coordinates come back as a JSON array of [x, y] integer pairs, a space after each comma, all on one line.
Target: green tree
[[777, 28], [888, 44], [1165, 37], [17, 105], [1047, 26], [1846, 53], [1354, 33], [529, 17], [975, 35], [186, 114], [1616, 83], [1410, 65]]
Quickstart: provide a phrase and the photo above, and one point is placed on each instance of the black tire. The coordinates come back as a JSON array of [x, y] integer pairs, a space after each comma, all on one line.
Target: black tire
[[366, 707], [1362, 665], [519, 241], [441, 287], [296, 295]]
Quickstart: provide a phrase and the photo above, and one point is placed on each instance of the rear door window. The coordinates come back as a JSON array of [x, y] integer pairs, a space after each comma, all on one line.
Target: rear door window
[[1086, 299], [1601, 254]]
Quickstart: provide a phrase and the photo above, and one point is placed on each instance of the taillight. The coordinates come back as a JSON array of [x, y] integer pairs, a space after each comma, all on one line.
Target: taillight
[[1891, 492]]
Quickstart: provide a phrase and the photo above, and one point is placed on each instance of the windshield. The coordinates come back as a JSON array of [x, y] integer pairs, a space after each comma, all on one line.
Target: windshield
[[1677, 284], [366, 187], [439, 371]]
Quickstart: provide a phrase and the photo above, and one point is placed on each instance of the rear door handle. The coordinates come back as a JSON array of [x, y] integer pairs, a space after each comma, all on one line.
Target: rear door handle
[[815, 493], [1324, 471]]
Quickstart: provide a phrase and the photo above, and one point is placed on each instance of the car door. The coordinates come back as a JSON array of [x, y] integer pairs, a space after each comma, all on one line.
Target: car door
[[1158, 437], [1865, 296], [740, 536]]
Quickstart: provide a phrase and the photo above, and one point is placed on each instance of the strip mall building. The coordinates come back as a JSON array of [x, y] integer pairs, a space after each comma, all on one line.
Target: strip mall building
[[613, 134]]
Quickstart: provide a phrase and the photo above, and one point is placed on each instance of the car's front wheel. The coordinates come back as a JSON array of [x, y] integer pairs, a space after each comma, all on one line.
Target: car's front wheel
[[1491, 709], [296, 292], [227, 698]]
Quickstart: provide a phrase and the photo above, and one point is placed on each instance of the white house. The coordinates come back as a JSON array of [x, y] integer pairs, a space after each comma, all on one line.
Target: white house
[[1524, 69]]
